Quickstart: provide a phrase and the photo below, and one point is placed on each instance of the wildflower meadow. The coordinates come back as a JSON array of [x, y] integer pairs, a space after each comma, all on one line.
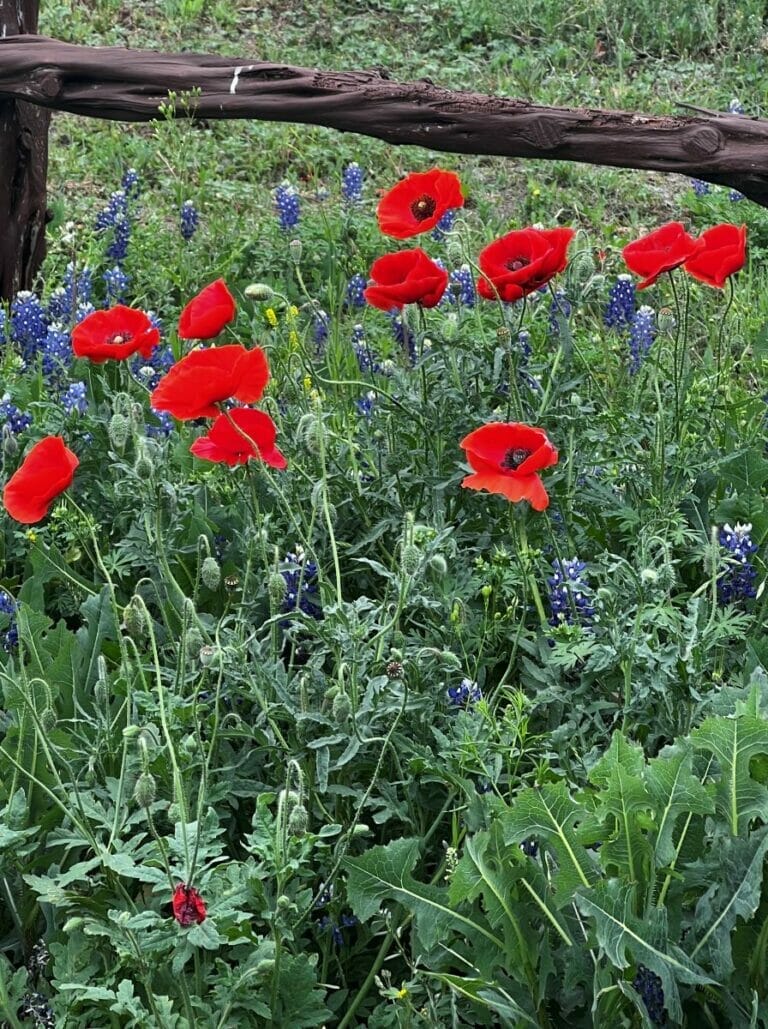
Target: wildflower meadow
[[384, 539]]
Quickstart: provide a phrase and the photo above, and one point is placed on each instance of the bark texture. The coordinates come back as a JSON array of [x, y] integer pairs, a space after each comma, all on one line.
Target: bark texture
[[23, 168]]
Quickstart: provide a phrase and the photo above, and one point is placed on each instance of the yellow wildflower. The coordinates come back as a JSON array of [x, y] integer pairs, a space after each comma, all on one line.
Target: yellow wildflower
[[271, 317]]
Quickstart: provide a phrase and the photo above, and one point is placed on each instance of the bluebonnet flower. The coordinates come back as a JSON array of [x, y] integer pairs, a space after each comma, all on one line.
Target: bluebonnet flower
[[15, 420], [649, 986], [29, 324], [163, 426], [57, 351], [352, 183], [83, 310], [570, 595], [116, 282], [700, 187], [641, 337], [403, 336], [365, 358], [735, 106], [117, 205], [444, 225], [524, 344], [7, 603], [74, 399], [346, 922], [529, 847], [483, 786], [465, 694], [461, 287], [559, 307], [301, 586], [115, 217], [11, 637], [130, 183], [320, 330], [366, 404], [189, 220], [149, 370], [325, 896], [735, 195], [74, 290], [287, 206], [2, 326], [620, 310], [737, 582], [355, 287]]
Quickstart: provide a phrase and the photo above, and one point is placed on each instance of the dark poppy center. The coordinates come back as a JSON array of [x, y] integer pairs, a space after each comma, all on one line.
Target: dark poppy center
[[118, 338], [517, 263], [423, 208], [514, 457]]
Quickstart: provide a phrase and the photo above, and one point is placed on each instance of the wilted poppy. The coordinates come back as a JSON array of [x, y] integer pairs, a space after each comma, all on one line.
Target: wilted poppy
[[407, 277], [255, 438], [114, 335], [202, 379], [723, 253], [188, 906], [47, 470], [206, 314], [521, 262], [418, 203], [660, 251], [505, 457]]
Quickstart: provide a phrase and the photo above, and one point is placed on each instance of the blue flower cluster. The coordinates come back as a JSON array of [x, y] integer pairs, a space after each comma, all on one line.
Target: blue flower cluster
[[641, 337], [737, 582], [69, 299], [649, 986], [444, 225], [8, 606], [352, 183], [149, 370], [524, 344], [700, 187], [301, 586], [570, 595], [465, 694], [320, 329], [735, 106], [29, 323], [326, 924], [287, 206], [115, 218], [116, 281], [355, 287], [403, 336], [189, 219], [365, 357], [461, 287], [74, 399], [560, 307], [14, 420], [620, 311]]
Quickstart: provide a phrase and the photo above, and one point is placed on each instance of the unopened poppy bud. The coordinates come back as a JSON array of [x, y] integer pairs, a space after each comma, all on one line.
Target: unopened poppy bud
[[130, 732], [503, 336], [438, 564], [295, 249], [312, 432], [142, 466], [454, 251], [118, 430], [73, 923], [134, 620], [486, 591], [210, 573], [48, 720], [361, 829], [145, 790], [298, 820], [582, 268], [259, 291], [342, 708], [10, 443], [194, 642], [410, 558], [650, 576], [100, 693], [284, 903], [276, 588]]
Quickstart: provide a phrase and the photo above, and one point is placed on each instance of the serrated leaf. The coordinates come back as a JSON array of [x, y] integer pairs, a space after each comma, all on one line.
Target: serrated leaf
[[734, 742], [735, 893], [621, 754], [548, 814], [486, 994], [618, 930], [205, 935], [626, 848], [675, 790]]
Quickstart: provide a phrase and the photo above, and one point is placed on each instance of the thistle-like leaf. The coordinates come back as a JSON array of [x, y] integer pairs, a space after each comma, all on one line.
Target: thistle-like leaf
[[675, 790], [734, 742]]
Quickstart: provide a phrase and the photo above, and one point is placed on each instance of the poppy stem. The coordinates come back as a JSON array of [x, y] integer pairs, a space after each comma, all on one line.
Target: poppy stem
[[719, 353], [524, 552], [676, 373]]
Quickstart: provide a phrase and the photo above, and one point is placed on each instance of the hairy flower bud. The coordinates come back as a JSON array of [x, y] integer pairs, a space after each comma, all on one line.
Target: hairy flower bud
[[276, 589], [295, 249], [298, 820], [142, 466], [48, 720], [134, 619], [193, 641], [145, 790], [118, 430], [208, 655], [259, 291], [454, 251], [342, 708], [410, 558], [438, 564], [210, 573]]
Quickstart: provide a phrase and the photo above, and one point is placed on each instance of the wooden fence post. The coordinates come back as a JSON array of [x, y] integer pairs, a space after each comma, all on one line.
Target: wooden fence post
[[23, 170]]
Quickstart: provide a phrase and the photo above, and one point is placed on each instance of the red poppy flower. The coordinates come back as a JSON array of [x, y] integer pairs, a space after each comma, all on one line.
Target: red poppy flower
[[188, 906], [114, 335], [723, 253], [206, 314], [202, 379], [522, 261], [224, 442], [47, 470], [407, 277], [418, 203], [660, 251], [505, 457]]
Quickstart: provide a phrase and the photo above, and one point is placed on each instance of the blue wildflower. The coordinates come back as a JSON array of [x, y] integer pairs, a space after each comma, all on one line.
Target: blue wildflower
[[116, 282], [461, 286], [74, 399], [320, 330], [529, 847], [570, 595], [700, 187], [149, 370], [74, 290], [83, 310], [641, 337], [621, 303], [650, 988], [403, 336], [301, 585], [10, 638], [115, 217], [7, 603], [29, 324], [465, 694], [163, 425], [560, 307], [189, 220], [365, 405], [735, 106], [524, 344], [737, 582], [734, 195], [352, 183], [365, 358], [57, 351], [444, 225], [355, 288], [287, 206], [130, 183], [15, 420]]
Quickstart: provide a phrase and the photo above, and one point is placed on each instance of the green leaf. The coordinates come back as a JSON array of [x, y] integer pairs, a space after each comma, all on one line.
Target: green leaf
[[674, 791], [488, 995], [735, 893], [618, 930], [734, 742], [548, 814], [205, 935], [621, 754], [384, 873]]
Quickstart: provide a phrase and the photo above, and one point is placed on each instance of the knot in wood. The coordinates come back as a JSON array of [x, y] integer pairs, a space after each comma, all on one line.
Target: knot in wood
[[542, 133], [703, 142]]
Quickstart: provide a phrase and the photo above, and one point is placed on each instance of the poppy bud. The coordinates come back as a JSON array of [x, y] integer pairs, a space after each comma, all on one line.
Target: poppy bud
[[342, 708], [438, 564], [582, 268], [259, 291], [48, 720], [454, 251], [410, 559], [145, 790], [10, 443], [503, 336], [134, 619], [100, 693], [312, 432], [207, 655], [188, 905], [276, 589], [295, 249], [298, 820], [193, 642], [284, 903], [210, 573], [118, 430], [666, 320], [142, 466], [130, 732]]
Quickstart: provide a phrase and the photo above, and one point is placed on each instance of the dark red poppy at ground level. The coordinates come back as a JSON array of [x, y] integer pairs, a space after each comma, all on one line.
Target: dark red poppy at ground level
[[204, 378], [521, 262], [505, 457], [723, 254], [206, 314], [660, 251], [407, 277], [47, 470], [418, 203], [188, 906], [114, 335], [255, 438]]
